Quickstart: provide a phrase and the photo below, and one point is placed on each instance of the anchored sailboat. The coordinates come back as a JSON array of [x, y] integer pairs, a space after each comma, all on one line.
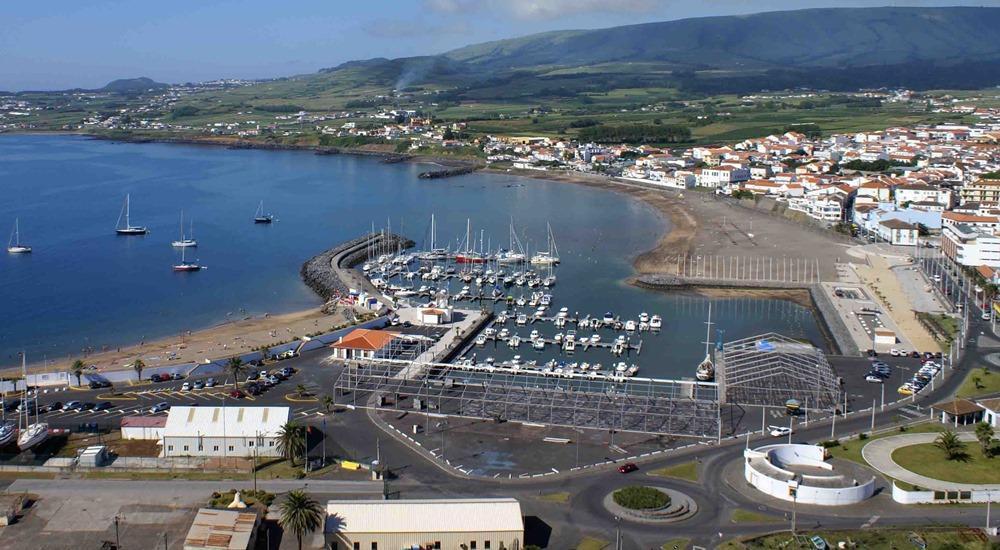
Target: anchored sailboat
[[128, 228], [550, 256], [186, 240], [14, 245], [260, 216], [186, 265], [706, 369], [32, 434]]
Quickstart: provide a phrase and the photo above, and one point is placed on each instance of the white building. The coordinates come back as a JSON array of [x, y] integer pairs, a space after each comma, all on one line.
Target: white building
[[472, 524], [143, 427], [898, 232], [773, 470], [970, 247], [235, 431], [723, 176]]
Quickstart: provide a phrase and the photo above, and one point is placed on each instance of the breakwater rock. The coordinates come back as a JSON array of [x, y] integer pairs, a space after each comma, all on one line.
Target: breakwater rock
[[330, 273], [448, 172]]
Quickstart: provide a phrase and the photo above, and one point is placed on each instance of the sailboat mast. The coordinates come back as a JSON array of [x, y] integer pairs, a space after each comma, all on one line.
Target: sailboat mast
[[708, 330], [127, 209]]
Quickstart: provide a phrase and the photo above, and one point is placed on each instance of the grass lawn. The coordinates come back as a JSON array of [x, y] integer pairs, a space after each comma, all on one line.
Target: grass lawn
[[926, 459], [687, 471], [592, 543], [676, 544], [989, 382], [851, 450], [956, 538], [749, 516]]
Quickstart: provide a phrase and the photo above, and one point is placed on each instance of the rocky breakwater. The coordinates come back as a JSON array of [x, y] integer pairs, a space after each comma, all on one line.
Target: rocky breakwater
[[330, 273]]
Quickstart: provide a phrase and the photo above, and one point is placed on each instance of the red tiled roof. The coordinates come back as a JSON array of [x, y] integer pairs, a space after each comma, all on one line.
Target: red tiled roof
[[364, 339]]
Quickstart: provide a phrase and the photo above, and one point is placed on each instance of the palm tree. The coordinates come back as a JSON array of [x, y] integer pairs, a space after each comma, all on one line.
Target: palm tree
[[952, 446], [77, 370], [236, 367], [977, 382], [984, 433], [292, 441], [327, 403], [137, 366], [300, 390], [300, 514]]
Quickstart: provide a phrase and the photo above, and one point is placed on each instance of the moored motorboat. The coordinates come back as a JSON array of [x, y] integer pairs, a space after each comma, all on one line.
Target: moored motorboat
[[655, 322]]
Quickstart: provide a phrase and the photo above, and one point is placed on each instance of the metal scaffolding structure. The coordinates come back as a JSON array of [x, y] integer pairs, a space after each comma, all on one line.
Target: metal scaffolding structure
[[770, 369], [663, 407]]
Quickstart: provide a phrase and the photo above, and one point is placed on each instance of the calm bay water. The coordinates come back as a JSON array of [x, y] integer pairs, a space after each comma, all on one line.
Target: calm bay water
[[86, 287]]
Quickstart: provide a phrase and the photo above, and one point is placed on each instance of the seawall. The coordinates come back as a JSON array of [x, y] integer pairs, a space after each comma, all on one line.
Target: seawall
[[330, 273]]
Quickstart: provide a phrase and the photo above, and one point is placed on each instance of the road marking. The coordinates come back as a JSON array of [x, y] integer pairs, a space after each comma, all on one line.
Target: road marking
[[870, 522]]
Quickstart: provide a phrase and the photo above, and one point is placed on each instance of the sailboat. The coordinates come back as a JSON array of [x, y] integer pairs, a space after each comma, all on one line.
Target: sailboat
[[706, 369], [186, 240], [434, 253], [32, 434], [186, 265], [469, 256], [7, 430], [128, 228], [14, 245], [514, 254], [550, 256], [260, 216]]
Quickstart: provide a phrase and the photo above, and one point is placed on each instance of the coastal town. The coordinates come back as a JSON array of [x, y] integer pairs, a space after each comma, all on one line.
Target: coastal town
[[620, 287]]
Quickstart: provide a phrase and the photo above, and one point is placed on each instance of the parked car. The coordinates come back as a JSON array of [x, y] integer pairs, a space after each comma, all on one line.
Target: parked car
[[73, 406], [287, 371], [51, 407], [210, 383], [26, 405], [872, 353], [252, 389], [10, 405], [98, 384], [176, 376], [253, 376], [159, 407], [199, 385], [894, 352], [87, 406], [186, 386], [103, 406], [627, 467], [237, 394], [873, 378]]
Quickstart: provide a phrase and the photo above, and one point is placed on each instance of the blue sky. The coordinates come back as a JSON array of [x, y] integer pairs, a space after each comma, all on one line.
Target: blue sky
[[58, 44]]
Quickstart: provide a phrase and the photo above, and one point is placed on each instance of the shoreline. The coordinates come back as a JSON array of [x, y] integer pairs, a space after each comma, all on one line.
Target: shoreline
[[680, 238]]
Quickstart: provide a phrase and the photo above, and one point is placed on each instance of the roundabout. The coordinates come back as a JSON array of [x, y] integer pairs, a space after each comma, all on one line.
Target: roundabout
[[650, 504]]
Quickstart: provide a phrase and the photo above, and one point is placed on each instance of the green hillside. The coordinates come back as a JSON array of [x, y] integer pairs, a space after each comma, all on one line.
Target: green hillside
[[803, 38]]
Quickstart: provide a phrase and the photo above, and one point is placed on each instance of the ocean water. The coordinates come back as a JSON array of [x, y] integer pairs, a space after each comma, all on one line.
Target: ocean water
[[85, 287]]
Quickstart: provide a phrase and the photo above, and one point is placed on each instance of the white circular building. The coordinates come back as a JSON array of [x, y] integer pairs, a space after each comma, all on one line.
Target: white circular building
[[800, 473]]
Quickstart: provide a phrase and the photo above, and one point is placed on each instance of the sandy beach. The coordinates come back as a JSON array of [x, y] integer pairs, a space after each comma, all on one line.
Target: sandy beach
[[222, 340]]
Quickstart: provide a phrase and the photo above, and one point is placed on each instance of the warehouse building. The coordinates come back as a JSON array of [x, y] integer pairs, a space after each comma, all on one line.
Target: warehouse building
[[223, 431], [470, 524]]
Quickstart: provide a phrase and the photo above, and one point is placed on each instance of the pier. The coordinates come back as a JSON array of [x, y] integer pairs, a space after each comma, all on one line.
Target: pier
[[330, 273]]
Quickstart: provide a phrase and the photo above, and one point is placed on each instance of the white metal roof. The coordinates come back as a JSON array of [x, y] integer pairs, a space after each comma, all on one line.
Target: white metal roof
[[424, 516], [236, 421]]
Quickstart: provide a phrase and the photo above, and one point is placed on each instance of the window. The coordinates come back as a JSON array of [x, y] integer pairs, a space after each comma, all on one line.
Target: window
[[170, 447], [486, 545], [357, 546], [230, 447], [472, 545], [374, 545], [437, 545], [201, 447], [270, 443], [215, 448], [185, 447]]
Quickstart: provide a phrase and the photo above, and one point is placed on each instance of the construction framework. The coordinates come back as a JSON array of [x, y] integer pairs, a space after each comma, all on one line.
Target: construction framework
[[770, 369], [663, 407]]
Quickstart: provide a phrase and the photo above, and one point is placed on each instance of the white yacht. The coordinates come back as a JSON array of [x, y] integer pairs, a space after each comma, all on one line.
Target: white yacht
[[706, 369], [550, 256], [655, 322], [14, 245], [186, 241], [32, 434]]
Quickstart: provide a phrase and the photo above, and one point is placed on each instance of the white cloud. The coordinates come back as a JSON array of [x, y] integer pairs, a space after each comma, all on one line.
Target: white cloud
[[543, 9]]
